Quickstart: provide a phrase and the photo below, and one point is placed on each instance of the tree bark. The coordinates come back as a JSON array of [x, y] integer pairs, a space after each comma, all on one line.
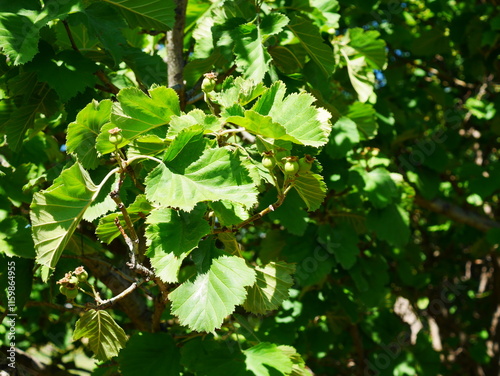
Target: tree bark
[[175, 51], [457, 213]]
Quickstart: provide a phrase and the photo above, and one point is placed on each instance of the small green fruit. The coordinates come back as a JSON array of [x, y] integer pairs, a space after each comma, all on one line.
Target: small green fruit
[[115, 136], [73, 280], [71, 294], [82, 277], [63, 289], [268, 162], [115, 139], [305, 164], [208, 83], [291, 166]]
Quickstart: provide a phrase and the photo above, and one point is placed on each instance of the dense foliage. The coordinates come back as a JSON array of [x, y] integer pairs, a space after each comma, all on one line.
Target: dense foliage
[[280, 187]]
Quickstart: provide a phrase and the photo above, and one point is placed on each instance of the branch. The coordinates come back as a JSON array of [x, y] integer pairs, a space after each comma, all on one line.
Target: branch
[[133, 305], [175, 51], [104, 304], [457, 214]]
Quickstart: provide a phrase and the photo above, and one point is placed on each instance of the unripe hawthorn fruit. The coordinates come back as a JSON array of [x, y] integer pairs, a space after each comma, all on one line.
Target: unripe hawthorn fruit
[[268, 162], [71, 293], [305, 164], [208, 83], [115, 136], [291, 166]]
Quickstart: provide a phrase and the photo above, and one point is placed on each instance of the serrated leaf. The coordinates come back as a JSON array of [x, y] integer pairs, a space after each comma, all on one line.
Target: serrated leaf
[[391, 223], [299, 366], [149, 14], [56, 212], [106, 337], [18, 37], [15, 237], [171, 235], [107, 230], [273, 23], [266, 359], [191, 175], [23, 118], [310, 38], [303, 122], [366, 43], [258, 124], [252, 58], [152, 354], [362, 80], [82, 133], [363, 114], [67, 72], [136, 114], [379, 187], [343, 138], [229, 213], [204, 303], [271, 287], [212, 358], [209, 123], [238, 91], [312, 189], [103, 21]]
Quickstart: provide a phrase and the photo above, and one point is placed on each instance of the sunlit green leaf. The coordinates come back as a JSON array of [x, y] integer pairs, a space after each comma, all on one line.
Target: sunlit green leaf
[[204, 303], [106, 337], [171, 236], [270, 288]]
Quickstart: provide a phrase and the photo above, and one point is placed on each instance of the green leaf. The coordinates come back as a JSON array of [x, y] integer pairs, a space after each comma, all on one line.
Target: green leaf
[[379, 187], [273, 23], [191, 175], [271, 287], [18, 37], [104, 22], [340, 241], [107, 230], [57, 211], [148, 14], [229, 213], [238, 91], [212, 358], [366, 43], [204, 303], [307, 124], [106, 338], [23, 118], [171, 235], [15, 237], [266, 359], [312, 189], [363, 115], [310, 38], [362, 80], [67, 72], [252, 58], [82, 133], [391, 224], [136, 114], [261, 125], [299, 366], [152, 354], [209, 123], [343, 138]]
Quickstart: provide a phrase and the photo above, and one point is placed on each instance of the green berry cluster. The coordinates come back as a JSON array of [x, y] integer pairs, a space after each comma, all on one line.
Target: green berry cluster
[[69, 284]]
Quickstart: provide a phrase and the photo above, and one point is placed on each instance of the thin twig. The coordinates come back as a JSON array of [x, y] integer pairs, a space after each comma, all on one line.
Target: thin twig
[[70, 36], [257, 216], [108, 303]]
